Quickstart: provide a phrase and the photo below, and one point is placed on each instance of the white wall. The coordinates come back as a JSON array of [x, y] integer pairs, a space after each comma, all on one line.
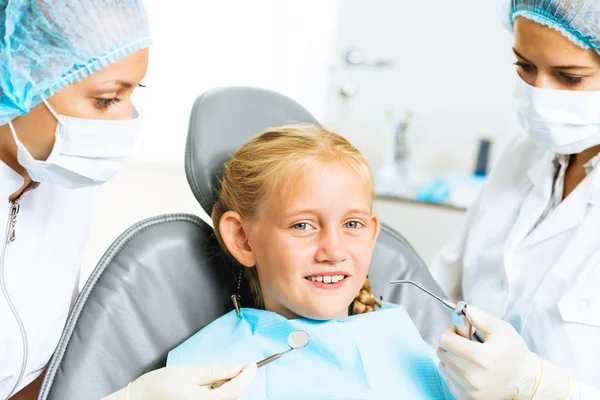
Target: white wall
[[470, 79], [451, 66], [284, 46], [200, 44]]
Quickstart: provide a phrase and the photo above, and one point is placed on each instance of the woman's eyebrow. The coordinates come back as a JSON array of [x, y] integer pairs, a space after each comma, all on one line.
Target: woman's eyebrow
[[117, 83], [573, 66], [520, 56]]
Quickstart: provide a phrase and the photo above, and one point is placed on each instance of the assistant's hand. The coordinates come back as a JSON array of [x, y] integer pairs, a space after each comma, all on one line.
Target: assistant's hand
[[501, 368], [189, 382]]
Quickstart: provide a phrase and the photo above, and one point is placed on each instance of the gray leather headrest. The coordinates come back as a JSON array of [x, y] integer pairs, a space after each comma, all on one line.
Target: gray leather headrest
[[222, 120]]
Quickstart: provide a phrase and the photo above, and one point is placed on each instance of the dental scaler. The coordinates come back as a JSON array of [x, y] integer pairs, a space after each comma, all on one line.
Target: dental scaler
[[459, 319]]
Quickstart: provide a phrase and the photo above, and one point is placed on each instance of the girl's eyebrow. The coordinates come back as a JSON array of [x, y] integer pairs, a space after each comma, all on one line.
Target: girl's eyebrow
[[295, 213]]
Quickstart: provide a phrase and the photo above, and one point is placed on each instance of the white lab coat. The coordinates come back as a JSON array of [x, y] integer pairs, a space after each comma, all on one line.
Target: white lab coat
[[545, 281], [41, 272]]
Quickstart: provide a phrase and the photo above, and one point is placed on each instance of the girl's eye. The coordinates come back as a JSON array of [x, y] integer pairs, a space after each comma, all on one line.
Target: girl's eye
[[301, 226], [353, 225]]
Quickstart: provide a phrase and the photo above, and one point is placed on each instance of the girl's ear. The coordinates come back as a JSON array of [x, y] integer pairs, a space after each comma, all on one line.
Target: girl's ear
[[235, 236], [377, 228]]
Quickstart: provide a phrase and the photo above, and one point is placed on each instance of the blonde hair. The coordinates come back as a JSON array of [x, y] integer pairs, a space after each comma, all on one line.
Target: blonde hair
[[265, 164]]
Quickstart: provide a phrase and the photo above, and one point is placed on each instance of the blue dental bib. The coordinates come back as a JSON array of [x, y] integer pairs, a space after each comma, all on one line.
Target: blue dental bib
[[377, 355]]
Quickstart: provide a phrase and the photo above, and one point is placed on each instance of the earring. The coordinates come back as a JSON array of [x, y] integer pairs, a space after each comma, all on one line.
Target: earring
[[236, 298]]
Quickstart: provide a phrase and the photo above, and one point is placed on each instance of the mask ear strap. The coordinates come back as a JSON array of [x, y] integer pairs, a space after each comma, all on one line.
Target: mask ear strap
[[58, 118], [48, 105], [14, 133]]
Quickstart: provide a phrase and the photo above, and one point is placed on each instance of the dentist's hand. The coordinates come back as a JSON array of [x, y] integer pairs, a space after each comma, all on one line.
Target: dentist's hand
[[501, 368], [189, 382]]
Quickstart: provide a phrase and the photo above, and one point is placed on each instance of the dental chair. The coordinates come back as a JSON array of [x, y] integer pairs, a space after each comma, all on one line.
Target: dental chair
[[165, 278]]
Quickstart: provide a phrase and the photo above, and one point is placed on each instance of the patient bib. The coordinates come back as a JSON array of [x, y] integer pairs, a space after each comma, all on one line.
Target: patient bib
[[377, 355]]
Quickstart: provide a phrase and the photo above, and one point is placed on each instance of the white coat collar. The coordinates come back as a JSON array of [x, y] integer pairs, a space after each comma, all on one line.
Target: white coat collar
[[540, 173], [569, 213], [595, 190]]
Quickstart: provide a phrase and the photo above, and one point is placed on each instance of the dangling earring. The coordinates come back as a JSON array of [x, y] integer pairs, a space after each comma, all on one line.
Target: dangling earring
[[236, 298], [378, 303]]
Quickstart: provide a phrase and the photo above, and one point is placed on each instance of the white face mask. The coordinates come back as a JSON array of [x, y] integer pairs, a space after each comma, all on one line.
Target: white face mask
[[560, 121], [86, 152]]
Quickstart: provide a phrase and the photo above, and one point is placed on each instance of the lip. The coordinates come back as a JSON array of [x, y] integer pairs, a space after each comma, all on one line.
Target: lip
[[327, 286]]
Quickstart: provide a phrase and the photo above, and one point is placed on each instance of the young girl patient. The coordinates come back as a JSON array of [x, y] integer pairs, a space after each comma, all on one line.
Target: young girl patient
[[294, 210]]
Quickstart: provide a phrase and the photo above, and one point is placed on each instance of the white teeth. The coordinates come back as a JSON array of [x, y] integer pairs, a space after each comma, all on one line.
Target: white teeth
[[327, 278]]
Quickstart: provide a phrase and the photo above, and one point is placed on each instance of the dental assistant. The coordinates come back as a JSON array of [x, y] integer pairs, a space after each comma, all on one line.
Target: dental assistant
[[529, 255], [67, 72]]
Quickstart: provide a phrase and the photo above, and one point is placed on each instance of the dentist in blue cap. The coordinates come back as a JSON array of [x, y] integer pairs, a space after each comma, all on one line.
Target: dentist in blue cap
[[67, 72], [529, 255]]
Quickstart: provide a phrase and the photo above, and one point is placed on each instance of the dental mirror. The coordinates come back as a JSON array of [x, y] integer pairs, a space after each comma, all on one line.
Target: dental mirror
[[296, 340]]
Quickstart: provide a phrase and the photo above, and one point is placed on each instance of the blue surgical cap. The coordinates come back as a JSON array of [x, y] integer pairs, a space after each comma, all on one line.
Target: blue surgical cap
[[46, 45], [578, 20]]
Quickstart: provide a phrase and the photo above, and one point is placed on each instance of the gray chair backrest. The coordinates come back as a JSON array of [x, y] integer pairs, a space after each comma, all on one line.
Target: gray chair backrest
[[166, 277], [394, 259], [162, 280]]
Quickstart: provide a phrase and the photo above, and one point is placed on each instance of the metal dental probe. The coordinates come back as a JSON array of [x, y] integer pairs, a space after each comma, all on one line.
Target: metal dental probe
[[459, 319]]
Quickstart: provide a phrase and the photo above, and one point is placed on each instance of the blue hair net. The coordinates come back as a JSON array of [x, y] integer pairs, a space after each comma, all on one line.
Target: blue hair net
[[578, 20], [46, 45]]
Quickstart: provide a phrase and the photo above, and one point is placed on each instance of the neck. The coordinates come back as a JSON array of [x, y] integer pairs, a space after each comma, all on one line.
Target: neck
[[8, 155], [585, 156], [8, 150]]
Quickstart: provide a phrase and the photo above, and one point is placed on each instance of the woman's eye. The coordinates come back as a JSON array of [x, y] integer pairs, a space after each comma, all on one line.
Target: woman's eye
[[524, 66], [570, 79], [353, 225], [103, 104]]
